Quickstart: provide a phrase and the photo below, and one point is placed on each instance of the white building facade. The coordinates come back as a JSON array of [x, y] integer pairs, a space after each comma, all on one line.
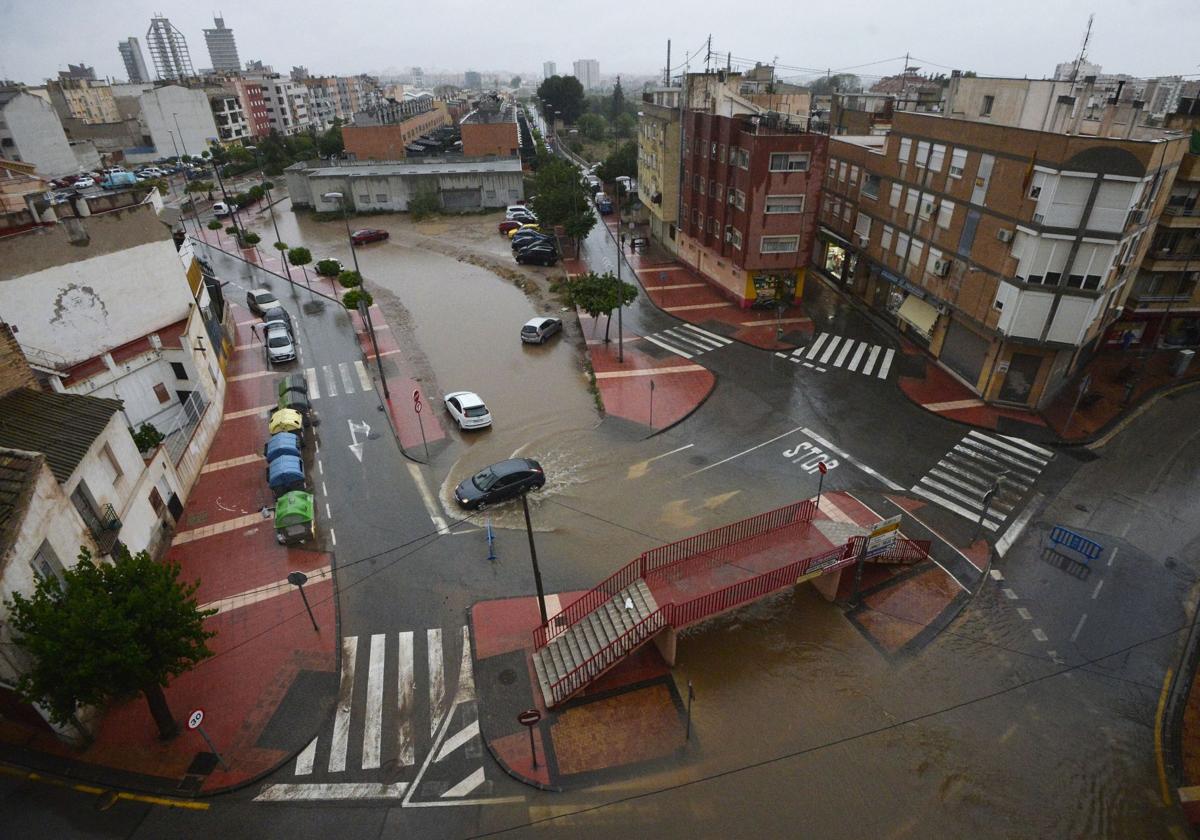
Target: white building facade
[[180, 117]]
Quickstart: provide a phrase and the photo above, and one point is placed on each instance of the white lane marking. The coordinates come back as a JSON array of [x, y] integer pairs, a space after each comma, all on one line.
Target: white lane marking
[[364, 377], [949, 505], [974, 503], [1039, 635], [330, 380], [746, 451], [672, 452], [1078, 627], [1096, 591], [1049, 453], [846, 348], [1015, 450], [347, 379], [1112, 555], [1024, 613], [304, 761], [314, 384], [427, 498], [666, 346], [1009, 594], [458, 739], [341, 720], [406, 681], [875, 348], [335, 791], [466, 671], [720, 339], [891, 484], [886, 364], [858, 354], [373, 727], [1014, 531], [996, 574], [466, 785], [321, 467], [816, 348], [437, 678], [324, 492], [830, 348], [695, 341], [328, 514], [332, 537], [998, 455]]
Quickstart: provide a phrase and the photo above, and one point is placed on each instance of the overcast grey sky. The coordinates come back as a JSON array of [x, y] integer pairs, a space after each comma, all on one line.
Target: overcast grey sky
[[1010, 37]]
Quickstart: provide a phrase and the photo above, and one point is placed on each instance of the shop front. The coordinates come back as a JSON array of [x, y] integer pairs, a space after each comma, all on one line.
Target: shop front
[[836, 257]]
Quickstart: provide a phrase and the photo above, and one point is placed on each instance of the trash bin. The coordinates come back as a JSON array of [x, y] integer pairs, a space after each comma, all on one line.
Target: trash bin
[[1182, 362]]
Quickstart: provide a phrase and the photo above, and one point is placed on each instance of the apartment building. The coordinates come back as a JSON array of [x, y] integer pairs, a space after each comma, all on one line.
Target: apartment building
[[1006, 252], [323, 100], [178, 117], [230, 118], [658, 163], [31, 131], [587, 71], [222, 48], [384, 132], [750, 191], [83, 99], [135, 64], [254, 106], [286, 103], [491, 129]]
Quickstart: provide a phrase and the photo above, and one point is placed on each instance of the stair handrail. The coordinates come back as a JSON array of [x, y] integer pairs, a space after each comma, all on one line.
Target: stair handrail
[[657, 559], [601, 660]]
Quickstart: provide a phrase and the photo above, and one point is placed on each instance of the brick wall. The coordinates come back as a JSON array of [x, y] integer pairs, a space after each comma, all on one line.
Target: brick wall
[[387, 142], [14, 370], [499, 138]]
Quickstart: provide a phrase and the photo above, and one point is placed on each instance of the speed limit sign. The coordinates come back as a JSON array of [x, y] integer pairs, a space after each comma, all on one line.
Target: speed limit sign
[[417, 400], [195, 718]]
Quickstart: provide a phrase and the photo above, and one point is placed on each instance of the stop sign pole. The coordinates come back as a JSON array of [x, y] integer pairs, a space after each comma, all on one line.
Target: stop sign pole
[[193, 722], [820, 481], [529, 719], [417, 408]]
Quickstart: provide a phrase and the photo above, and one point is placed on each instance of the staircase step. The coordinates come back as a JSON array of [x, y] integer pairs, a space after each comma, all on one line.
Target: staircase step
[[599, 630], [548, 666], [560, 667], [542, 678], [588, 637], [567, 653], [617, 617], [605, 621], [571, 637], [647, 596]]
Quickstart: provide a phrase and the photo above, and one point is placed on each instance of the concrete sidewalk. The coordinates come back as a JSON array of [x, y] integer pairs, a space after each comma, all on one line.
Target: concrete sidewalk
[[272, 678]]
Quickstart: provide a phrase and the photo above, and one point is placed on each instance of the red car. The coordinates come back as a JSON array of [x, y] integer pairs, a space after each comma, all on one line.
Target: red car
[[511, 224], [361, 237]]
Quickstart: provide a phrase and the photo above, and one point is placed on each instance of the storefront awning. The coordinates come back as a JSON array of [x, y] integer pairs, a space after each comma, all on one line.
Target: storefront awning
[[918, 313]]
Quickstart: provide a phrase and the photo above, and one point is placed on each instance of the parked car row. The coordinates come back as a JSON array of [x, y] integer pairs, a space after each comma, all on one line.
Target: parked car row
[[295, 520], [278, 338], [531, 245]]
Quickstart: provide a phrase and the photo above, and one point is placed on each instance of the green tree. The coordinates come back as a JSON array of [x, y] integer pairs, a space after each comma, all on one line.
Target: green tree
[[109, 631], [424, 204], [625, 126], [331, 144], [515, 82], [250, 239], [349, 279], [232, 230], [616, 106], [147, 437], [328, 268], [300, 257], [563, 94], [214, 224], [593, 126], [351, 298], [622, 161], [837, 83], [596, 294]]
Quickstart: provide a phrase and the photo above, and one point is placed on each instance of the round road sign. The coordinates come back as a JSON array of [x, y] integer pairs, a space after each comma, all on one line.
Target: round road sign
[[821, 466], [529, 717], [195, 718]]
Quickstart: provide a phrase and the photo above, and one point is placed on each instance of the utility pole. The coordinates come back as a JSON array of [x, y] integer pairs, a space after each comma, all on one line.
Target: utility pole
[[667, 74], [708, 54], [537, 573], [620, 301]]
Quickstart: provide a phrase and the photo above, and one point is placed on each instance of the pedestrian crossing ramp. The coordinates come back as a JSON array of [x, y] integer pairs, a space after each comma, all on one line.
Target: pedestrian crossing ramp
[[981, 464], [688, 340], [835, 351], [326, 381]]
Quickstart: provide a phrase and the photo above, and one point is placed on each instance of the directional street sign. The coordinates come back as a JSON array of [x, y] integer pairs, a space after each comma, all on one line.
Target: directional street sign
[[883, 535]]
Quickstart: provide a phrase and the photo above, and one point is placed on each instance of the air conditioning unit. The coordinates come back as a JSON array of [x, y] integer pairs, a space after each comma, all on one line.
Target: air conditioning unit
[[1038, 218], [941, 267], [1004, 235], [862, 240]]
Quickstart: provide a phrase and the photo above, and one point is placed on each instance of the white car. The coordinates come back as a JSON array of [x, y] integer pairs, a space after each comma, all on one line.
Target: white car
[[537, 330], [278, 339], [468, 410], [521, 214], [84, 183], [220, 208]]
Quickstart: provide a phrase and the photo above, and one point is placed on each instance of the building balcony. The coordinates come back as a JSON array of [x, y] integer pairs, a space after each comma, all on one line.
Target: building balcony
[[105, 528], [1171, 261], [1180, 216]]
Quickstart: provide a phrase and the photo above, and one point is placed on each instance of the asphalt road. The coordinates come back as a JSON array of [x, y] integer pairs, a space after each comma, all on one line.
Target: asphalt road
[[1033, 715]]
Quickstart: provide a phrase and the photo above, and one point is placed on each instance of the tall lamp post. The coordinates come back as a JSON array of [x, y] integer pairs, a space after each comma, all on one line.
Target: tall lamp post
[[225, 195], [271, 205], [341, 200]]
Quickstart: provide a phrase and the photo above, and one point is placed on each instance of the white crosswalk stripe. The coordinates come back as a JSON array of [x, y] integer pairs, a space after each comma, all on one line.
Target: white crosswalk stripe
[[349, 377], [977, 464], [840, 352], [383, 709], [688, 340]]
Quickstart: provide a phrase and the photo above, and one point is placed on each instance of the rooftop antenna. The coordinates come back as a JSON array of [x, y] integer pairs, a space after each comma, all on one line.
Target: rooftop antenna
[[1087, 36]]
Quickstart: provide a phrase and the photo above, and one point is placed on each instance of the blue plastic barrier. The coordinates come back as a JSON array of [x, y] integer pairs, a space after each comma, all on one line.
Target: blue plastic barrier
[[1078, 543]]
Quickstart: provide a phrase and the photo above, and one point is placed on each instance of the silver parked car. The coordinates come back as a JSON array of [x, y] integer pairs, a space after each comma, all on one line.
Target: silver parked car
[[280, 346]]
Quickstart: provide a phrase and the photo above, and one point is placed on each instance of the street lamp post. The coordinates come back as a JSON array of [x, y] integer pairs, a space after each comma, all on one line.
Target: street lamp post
[[225, 195], [537, 573], [341, 200], [182, 142], [271, 205]]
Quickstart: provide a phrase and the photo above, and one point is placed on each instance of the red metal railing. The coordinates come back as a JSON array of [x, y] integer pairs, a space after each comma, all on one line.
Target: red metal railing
[[656, 559], [610, 655]]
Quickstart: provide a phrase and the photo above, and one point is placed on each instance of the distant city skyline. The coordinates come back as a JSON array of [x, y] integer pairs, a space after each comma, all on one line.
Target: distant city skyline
[[998, 40]]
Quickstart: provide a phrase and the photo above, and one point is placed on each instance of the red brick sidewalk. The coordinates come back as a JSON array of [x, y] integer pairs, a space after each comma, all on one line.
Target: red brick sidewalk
[[264, 637]]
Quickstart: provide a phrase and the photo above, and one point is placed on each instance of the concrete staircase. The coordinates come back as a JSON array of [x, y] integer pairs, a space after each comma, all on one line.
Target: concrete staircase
[[591, 634]]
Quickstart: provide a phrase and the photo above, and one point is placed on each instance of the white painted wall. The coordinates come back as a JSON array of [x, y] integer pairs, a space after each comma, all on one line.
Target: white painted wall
[[38, 136], [183, 111], [82, 309]]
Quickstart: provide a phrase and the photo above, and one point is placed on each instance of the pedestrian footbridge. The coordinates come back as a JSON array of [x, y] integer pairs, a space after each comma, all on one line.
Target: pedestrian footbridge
[[677, 585]]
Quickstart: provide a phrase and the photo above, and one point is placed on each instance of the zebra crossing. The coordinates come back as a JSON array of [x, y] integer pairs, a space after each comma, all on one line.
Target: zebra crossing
[[688, 340], [406, 726], [326, 379], [977, 464], [848, 353]]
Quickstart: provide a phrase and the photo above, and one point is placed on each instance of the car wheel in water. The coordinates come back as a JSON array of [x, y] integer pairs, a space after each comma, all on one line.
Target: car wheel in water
[[481, 506]]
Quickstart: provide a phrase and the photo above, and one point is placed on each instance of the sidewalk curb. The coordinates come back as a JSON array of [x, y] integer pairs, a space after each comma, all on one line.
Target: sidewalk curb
[[691, 411], [1182, 684]]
